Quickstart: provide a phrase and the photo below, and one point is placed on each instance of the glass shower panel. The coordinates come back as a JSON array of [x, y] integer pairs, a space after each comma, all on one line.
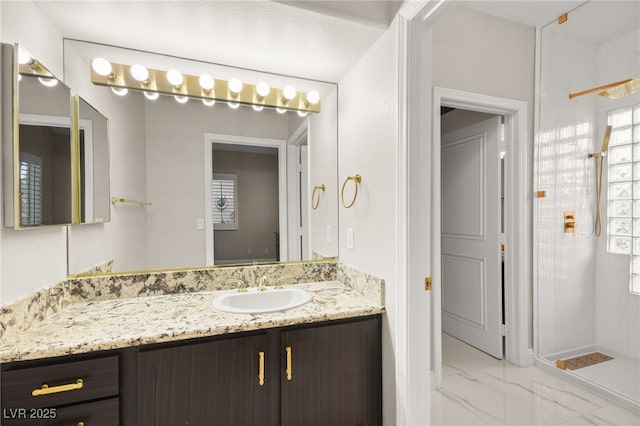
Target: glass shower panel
[[582, 279]]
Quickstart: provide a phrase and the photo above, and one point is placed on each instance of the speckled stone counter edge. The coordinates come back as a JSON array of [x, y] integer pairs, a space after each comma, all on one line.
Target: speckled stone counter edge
[[21, 315]]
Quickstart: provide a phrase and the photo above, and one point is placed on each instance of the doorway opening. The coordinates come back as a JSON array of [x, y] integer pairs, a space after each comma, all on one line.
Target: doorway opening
[[245, 199], [517, 289], [472, 240]]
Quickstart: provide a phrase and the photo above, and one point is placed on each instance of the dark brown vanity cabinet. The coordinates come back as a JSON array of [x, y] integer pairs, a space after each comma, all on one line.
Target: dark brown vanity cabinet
[[222, 382], [315, 374], [332, 375], [62, 392], [327, 374]]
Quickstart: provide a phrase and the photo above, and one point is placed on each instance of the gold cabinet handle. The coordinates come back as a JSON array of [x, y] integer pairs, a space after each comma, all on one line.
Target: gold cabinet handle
[[46, 390], [261, 368], [315, 201], [289, 370], [356, 180], [80, 423]]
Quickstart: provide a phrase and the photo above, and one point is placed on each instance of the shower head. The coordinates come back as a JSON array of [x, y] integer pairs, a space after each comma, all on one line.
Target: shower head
[[605, 141], [603, 90], [624, 89]]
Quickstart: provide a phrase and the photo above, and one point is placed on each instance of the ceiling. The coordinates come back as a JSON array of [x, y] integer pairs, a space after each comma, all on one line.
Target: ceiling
[[318, 40]]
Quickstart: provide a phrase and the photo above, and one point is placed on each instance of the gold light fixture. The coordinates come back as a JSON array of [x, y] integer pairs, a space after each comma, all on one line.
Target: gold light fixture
[[233, 91]]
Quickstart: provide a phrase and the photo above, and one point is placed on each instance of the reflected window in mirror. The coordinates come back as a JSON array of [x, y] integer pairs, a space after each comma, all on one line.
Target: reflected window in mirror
[[224, 193], [30, 190]]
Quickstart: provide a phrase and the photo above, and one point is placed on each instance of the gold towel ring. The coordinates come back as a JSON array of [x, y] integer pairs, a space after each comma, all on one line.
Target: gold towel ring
[[356, 180], [315, 201]]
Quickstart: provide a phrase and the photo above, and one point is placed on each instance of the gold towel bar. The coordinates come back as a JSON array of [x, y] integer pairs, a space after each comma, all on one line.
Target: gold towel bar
[[315, 201], [356, 180], [115, 200]]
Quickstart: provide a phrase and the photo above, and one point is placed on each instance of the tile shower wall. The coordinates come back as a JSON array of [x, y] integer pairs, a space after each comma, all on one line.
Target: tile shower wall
[[567, 133]]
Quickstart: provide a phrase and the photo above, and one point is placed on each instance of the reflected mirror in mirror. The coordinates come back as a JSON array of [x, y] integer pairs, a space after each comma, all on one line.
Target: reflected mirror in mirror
[[94, 164], [44, 160]]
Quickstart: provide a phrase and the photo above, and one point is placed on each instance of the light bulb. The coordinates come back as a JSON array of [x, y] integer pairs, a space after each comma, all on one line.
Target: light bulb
[[263, 89], [175, 78], [102, 67], [24, 57], [181, 99], [120, 91], [235, 85], [257, 108], [281, 110], [209, 102], [152, 96], [206, 82], [313, 97], [302, 113], [139, 72], [49, 82], [289, 92], [233, 105]]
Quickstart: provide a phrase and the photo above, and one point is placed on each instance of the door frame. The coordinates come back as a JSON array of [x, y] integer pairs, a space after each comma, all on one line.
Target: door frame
[[281, 145], [517, 280]]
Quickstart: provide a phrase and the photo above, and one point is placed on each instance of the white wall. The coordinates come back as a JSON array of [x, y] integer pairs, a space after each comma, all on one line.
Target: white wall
[[31, 259], [480, 53], [368, 135]]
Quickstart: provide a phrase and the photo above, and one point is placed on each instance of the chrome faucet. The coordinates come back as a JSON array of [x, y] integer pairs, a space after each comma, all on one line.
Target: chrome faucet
[[263, 283]]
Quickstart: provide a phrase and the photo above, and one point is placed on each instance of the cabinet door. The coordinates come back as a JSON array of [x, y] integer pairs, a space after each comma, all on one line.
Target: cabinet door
[[214, 383], [334, 375]]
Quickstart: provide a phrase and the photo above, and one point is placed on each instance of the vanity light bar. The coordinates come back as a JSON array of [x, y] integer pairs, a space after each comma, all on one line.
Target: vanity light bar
[[34, 68], [120, 77]]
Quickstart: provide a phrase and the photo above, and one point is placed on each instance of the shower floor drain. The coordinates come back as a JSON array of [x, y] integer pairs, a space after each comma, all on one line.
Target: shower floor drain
[[583, 361]]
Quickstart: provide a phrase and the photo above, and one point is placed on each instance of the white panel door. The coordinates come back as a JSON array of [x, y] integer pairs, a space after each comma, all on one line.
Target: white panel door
[[471, 258]]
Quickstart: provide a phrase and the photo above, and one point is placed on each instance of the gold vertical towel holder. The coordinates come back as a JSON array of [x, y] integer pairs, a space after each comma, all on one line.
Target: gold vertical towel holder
[[356, 180], [316, 201]]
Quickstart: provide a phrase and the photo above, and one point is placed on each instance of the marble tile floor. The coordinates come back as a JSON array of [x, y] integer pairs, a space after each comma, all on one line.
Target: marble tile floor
[[477, 389]]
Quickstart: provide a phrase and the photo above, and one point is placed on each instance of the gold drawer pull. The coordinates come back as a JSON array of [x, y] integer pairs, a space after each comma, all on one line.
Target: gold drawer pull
[[289, 370], [261, 369], [46, 390], [80, 423]]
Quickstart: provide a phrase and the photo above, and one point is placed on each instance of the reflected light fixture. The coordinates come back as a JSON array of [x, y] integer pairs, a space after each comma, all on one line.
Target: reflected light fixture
[[209, 102], [120, 91], [153, 82], [181, 99], [303, 113], [257, 107], [48, 82], [281, 110]]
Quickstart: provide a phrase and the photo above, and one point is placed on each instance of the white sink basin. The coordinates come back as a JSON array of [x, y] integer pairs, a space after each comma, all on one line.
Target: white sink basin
[[255, 302]]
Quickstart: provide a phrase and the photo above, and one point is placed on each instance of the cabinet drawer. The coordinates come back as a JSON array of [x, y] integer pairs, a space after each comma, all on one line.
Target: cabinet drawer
[[99, 413], [60, 384]]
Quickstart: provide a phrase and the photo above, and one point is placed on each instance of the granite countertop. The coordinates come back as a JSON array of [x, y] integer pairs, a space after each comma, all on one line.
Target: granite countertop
[[109, 324]]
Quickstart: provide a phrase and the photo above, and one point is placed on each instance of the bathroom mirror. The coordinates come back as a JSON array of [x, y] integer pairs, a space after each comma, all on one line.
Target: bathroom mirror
[[93, 137], [38, 154], [162, 174]]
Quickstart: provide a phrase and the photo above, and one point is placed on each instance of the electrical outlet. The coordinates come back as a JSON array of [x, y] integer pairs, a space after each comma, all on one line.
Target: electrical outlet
[[199, 223], [329, 234]]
